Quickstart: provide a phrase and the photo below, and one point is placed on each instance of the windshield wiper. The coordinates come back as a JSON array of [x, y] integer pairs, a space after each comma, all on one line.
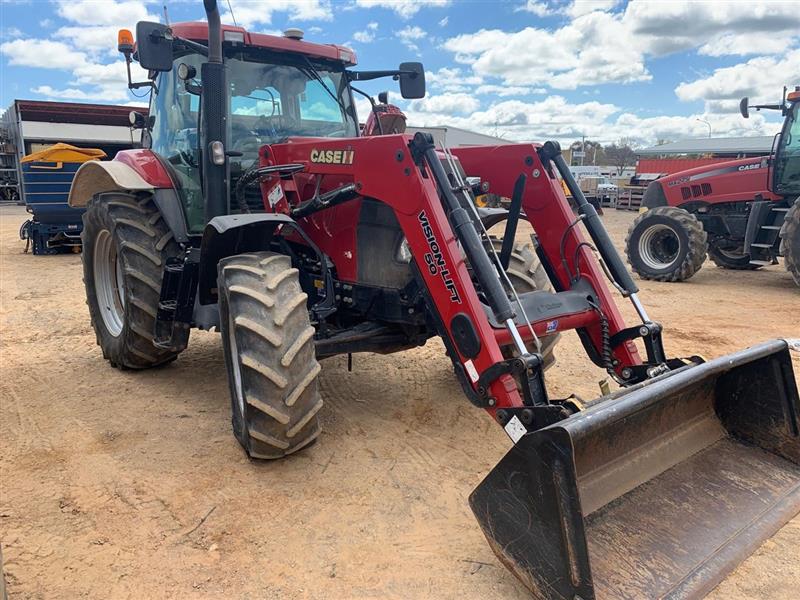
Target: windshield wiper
[[311, 72]]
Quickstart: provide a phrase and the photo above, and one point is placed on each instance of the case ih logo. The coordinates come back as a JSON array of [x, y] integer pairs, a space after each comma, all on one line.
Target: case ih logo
[[435, 260], [332, 157], [750, 166]]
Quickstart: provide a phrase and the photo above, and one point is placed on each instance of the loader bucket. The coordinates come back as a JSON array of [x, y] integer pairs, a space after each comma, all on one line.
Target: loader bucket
[[658, 491]]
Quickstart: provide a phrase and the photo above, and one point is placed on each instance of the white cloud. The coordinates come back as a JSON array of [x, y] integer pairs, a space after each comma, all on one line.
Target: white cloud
[[409, 35], [446, 104], [664, 27], [593, 49], [95, 39], [600, 43], [250, 13], [583, 7], [9, 33], [444, 22], [65, 94], [109, 12], [577, 8], [761, 78], [451, 80], [743, 44], [368, 35], [45, 54], [404, 8], [538, 8], [556, 118], [507, 90]]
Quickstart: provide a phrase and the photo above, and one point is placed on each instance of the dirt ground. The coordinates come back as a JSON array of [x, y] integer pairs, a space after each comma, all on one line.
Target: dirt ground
[[123, 484]]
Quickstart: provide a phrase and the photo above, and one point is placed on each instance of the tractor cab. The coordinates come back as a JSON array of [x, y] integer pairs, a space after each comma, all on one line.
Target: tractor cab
[[786, 170], [785, 180], [278, 88]]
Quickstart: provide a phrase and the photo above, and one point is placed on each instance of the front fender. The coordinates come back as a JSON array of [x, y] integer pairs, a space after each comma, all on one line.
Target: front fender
[[492, 216], [234, 234]]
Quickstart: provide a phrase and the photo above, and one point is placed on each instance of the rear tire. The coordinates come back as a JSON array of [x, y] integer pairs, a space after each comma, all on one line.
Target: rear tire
[[528, 275], [736, 261], [790, 241], [268, 343], [125, 247], [666, 244]]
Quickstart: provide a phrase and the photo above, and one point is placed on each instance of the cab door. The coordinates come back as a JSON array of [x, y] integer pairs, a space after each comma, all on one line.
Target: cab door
[[175, 134]]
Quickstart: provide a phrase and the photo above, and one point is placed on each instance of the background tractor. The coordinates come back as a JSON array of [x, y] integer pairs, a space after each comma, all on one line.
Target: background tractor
[[256, 208], [743, 214]]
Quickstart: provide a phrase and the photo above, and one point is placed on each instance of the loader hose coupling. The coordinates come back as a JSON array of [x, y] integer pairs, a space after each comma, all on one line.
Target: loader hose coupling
[[549, 151], [420, 144]]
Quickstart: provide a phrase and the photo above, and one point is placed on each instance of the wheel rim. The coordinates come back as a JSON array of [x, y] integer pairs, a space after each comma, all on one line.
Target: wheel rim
[[659, 246], [109, 283], [237, 372]]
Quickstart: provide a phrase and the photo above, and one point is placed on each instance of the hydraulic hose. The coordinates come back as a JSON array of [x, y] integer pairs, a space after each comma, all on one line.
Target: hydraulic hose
[[464, 229], [551, 151]]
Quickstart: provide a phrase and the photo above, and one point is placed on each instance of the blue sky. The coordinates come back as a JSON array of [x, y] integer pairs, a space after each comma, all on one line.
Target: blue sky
[[524, 69]]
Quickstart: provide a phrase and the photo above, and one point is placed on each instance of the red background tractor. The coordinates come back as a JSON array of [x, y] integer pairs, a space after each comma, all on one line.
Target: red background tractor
[[744, 214]]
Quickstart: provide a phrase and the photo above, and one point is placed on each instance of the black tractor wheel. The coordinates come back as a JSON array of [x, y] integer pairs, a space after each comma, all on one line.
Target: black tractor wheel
[[727, 258], [790, 241], [268, 342], [126, 244], [528, 275], [666, 244]]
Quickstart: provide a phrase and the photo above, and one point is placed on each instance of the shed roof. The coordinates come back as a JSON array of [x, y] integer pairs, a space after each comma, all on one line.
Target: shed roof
[[75, 112], [732, 145]]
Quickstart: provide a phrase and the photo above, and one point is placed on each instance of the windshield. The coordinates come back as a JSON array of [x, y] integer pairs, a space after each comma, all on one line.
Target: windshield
[[271, 102], [787, 158]]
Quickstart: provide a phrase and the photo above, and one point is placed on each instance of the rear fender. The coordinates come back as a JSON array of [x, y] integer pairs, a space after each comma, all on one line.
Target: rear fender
[[118, 175], [96, 177]]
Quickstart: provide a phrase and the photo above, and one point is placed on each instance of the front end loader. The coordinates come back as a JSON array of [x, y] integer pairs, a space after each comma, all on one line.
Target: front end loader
[[255, 207]]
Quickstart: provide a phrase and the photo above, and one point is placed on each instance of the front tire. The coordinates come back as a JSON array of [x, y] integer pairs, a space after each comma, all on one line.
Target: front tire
[[666, 244], [790, 241], [268, 343], [126, 244]]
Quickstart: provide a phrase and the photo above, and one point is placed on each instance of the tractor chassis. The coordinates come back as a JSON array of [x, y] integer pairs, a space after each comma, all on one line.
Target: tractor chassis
[[474, 322]]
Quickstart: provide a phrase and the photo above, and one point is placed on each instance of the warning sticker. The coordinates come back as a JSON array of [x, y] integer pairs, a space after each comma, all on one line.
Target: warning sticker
[[515, 429], [275, 195], [471, 371]]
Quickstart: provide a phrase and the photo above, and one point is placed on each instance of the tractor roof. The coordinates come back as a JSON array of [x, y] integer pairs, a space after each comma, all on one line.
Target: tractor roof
[[198, 31]]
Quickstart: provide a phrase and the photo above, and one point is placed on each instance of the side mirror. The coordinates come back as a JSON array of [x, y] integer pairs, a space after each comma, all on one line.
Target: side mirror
[[154, 46], [412, 84], [743, 107]]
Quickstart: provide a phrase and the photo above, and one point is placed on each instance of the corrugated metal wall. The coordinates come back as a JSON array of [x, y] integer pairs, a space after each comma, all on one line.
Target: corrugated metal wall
[[673, 165]]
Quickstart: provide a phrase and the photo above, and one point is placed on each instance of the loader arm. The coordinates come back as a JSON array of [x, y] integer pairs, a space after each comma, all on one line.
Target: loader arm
[[391, 170]]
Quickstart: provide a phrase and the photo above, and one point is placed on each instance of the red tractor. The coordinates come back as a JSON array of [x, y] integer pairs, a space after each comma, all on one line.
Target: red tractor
[[744, 214], [256, 208]]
